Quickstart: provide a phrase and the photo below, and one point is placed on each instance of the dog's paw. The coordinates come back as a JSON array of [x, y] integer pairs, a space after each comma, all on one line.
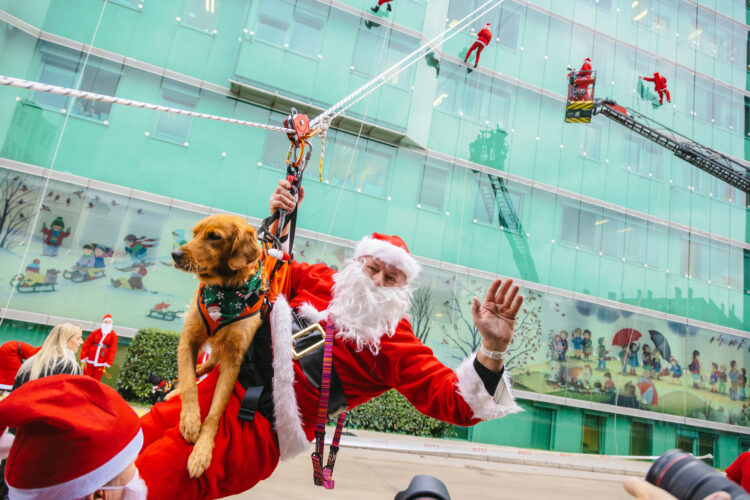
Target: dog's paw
[[202, 369], [200, 458], [190, 424]]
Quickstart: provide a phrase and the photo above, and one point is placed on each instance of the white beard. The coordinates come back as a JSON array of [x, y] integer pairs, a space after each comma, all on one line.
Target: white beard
[[106, 328], [363, 311]]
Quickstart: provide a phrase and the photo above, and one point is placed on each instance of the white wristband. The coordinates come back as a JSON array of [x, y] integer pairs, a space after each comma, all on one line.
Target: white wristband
[[496, 355]]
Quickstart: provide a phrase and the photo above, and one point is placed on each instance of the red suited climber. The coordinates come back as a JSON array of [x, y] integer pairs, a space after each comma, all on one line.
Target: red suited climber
[[380, 4], [12, 356], [99, 349], [484, 37], [581, 80], [660, 85]]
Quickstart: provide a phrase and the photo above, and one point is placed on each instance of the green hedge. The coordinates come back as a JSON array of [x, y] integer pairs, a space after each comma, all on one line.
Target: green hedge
[[151, 351], [392, 412]]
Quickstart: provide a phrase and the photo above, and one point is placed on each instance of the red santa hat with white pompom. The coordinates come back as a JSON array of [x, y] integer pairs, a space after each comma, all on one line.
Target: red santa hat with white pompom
[[389, 249]]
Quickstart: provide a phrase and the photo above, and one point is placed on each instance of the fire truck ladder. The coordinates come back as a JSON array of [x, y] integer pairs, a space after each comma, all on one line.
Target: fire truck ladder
[[729, 170]]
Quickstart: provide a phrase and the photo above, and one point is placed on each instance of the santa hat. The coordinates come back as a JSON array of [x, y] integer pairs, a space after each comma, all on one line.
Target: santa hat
[[390, 249], [588, 59], [487, 25], [107, 316], [59, 453]]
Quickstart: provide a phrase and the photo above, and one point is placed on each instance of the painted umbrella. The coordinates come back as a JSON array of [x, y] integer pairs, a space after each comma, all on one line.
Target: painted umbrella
[[648, 391], [625, 336], [661, 343]]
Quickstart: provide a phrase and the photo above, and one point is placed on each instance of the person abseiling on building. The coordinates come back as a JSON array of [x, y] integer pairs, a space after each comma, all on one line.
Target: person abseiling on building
[[380, 4], [484, 37], [373, 350], [99, 349], [55, 455], [12, 356], [660, 86]]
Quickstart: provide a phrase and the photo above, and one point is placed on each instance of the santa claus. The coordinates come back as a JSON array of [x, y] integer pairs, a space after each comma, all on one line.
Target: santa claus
[[99, 349], [272, 412], [484, 37]]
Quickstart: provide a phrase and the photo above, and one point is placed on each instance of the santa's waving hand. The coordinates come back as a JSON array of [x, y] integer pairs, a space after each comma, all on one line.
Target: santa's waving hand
[[495, 318]]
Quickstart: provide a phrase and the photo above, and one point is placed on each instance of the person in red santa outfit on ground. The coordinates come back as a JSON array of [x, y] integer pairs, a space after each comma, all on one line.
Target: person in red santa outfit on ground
[[484, 37], [12, 356], [99, 349], [54, 456], [660, 85], [374, 350]]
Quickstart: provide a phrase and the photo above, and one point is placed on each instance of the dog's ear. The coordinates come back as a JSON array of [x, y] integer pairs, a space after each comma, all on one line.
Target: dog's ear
[[245, 248]]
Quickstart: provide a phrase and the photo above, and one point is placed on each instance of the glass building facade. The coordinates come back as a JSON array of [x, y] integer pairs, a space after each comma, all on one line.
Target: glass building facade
[[634, 263]]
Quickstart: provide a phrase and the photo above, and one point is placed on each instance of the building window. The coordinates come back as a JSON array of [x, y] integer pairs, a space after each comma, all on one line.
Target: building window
[[364, 168], [171, 126], [202, 14], [694, 258], [644, 156], [744, 443], [686, 440], [433, 186], [480, 100], [497, 203], [542, 427], [64, 67], [506, 21], [697, 443], [579, 227], [370, 46], [591, 433], [298, 28], [640, 438], [707, 446], [277, 145]]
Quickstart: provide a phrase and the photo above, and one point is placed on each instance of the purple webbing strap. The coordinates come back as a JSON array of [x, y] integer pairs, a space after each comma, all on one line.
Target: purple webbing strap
[[323, 476]]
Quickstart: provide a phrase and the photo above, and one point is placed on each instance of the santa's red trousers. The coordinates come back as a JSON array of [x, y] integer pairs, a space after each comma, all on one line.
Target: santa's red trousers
[[381, 2], [661, 96], [244, 452], [476, 45], [94, 372]]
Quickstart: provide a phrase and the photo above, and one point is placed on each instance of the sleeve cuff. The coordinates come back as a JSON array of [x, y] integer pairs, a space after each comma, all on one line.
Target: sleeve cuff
[[484, 404], [489, 378]]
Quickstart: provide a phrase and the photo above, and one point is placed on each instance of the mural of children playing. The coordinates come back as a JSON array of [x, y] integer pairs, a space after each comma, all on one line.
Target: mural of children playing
[[601, 353], [676, 370], [32, 275], [742, 383], [558, 347], [656, 364], [723, 379], [695, 369], [646, 360], [713, 378], [138, 247], [587, 345], [564, 338], [132, 282], [54, 236], [734, 378], [85, 264], [577, 343], [609, 385], [179, 238], [633, 357]]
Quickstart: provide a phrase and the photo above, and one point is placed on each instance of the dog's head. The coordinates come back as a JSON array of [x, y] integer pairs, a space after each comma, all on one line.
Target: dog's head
[[224, 251]]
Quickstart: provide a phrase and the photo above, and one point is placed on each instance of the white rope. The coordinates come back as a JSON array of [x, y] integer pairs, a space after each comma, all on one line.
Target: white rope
[[91, 96], [417, 54]]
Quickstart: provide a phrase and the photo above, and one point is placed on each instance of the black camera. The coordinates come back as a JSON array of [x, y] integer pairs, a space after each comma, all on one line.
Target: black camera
[[688, 478]]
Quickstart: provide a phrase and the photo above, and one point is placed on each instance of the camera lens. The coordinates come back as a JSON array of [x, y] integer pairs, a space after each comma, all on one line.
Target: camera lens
[[688, 478]]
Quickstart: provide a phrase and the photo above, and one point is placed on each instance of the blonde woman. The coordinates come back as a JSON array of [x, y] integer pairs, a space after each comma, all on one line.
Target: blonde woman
[[57, 355]]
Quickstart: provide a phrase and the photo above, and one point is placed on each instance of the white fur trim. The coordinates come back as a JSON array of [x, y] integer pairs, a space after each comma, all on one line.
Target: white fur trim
[[87, 483], [310, 313], [292, 439], [390, 254], [4, 387], [484, 406]]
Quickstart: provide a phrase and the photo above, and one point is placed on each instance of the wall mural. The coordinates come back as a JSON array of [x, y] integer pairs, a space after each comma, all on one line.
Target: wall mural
[[88, 252]]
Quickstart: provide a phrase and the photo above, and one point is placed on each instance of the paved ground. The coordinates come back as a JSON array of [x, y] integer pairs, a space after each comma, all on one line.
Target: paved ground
[[374, 466]]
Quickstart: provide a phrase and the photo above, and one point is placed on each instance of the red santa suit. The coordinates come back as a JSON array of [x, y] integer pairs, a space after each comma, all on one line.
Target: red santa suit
[[12, 356], [484, 37], [247, 452], [99, 349], [660, 85]]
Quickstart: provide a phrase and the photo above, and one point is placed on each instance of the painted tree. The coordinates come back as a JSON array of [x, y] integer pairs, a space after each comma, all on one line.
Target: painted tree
[[17, 205], [464, 338], [528, 342], [421, 312]]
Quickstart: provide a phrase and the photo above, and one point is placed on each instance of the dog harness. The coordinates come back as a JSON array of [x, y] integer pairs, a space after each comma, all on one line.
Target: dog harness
[[235, 304]]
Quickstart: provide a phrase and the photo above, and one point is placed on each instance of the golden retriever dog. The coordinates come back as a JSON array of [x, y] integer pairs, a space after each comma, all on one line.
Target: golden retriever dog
[[223, 254]]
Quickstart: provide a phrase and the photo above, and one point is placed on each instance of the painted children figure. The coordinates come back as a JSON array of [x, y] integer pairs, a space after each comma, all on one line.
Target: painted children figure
[[99, 253], [559, 348], [646, 360], [54, 236], [676, 369], [713, 378], [587, 345], [577, 343], [656, 364], [742, 383], [564, 338], [633, 357], [87, 260], [609, 385], [32, 275], [723, 379], [734, 378], [695, 369], [601, 353]]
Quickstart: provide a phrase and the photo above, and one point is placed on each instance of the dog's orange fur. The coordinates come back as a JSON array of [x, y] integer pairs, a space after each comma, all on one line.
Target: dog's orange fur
[[224, 251]]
